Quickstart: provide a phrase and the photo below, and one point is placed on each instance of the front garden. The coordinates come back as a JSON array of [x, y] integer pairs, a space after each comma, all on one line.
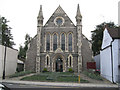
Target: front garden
[[55, 77], [58, 76]]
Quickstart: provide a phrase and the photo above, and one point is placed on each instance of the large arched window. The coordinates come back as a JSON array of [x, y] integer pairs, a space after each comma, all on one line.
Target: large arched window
[[54, 41], [48, 42], [63, 41], [70, 42]]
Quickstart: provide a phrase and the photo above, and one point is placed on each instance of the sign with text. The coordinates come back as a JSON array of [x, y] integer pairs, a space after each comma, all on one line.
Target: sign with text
[[91, 65]]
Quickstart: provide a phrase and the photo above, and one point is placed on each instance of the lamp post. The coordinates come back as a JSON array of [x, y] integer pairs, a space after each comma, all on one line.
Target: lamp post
[[4, 62]]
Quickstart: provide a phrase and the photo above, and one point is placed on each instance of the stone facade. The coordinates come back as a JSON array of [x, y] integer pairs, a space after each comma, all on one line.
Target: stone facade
[[59, 44]]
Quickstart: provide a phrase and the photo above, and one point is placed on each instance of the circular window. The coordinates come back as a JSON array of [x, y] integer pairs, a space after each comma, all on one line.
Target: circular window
[[59, 21]]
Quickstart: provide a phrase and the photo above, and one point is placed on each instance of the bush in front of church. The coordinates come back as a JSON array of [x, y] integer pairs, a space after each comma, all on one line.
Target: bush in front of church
[[70, 70], [45, 70]]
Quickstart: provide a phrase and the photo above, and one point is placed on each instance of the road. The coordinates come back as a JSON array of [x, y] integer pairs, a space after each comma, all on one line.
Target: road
[[36, 87]]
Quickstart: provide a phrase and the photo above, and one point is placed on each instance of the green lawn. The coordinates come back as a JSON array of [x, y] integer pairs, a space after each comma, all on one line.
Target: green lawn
[[55, 77]]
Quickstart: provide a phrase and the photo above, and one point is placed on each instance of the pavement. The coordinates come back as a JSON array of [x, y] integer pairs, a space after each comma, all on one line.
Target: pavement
[[62, 84]]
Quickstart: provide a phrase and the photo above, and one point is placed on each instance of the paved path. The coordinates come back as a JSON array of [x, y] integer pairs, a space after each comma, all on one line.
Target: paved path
[[18, 78]]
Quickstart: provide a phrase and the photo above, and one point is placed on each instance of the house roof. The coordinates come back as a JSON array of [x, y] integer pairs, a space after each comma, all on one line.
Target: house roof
[[114, 32]]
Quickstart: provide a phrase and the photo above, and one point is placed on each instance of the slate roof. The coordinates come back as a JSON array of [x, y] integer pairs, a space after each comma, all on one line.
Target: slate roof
[[114, 32]]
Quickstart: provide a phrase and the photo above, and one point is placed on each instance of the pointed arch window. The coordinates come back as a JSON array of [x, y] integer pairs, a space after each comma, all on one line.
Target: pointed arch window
[[70, 42], [63, 41], [47, 61], [70, 61], [48, 42], [54, 41]]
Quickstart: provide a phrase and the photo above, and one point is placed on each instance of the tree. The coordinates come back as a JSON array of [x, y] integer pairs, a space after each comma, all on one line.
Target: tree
[[97, 36], [7, 38], [23, 49]]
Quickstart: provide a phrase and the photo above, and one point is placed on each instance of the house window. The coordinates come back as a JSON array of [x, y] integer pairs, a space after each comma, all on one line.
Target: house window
[[54, 41], [63, 41], [70, 42], [48, 42]]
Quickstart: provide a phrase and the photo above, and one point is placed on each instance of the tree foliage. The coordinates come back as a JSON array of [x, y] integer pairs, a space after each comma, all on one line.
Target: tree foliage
[[97, 36], [7, 38], [23, 49]]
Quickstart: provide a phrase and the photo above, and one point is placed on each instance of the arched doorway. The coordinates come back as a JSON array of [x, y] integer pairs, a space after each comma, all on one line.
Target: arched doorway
[[59, 64]]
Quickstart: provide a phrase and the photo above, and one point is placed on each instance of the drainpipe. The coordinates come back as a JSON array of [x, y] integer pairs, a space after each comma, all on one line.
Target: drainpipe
[[112, 61], [3, 77]]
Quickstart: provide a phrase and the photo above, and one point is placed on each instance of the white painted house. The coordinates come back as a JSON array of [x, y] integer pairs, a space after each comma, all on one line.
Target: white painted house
[[110, 55], [11, 61]]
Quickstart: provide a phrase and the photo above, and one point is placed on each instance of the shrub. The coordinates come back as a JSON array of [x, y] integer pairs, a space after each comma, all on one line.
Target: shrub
[[71, 70], [45, 70]]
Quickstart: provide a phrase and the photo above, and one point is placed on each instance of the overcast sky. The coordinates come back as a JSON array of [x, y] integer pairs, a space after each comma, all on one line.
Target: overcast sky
[[22, 14]]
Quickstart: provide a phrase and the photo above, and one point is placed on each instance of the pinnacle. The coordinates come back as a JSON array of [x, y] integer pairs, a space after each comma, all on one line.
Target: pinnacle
[[40, 15], [78, 12]]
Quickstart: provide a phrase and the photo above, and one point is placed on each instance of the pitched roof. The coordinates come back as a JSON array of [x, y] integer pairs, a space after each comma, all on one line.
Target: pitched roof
[[114, 32]]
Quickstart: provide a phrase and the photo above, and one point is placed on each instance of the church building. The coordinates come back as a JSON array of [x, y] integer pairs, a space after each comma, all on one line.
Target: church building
[[59, 45]]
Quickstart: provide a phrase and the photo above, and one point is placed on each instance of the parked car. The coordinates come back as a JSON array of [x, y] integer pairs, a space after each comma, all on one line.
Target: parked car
[[3, 87]]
